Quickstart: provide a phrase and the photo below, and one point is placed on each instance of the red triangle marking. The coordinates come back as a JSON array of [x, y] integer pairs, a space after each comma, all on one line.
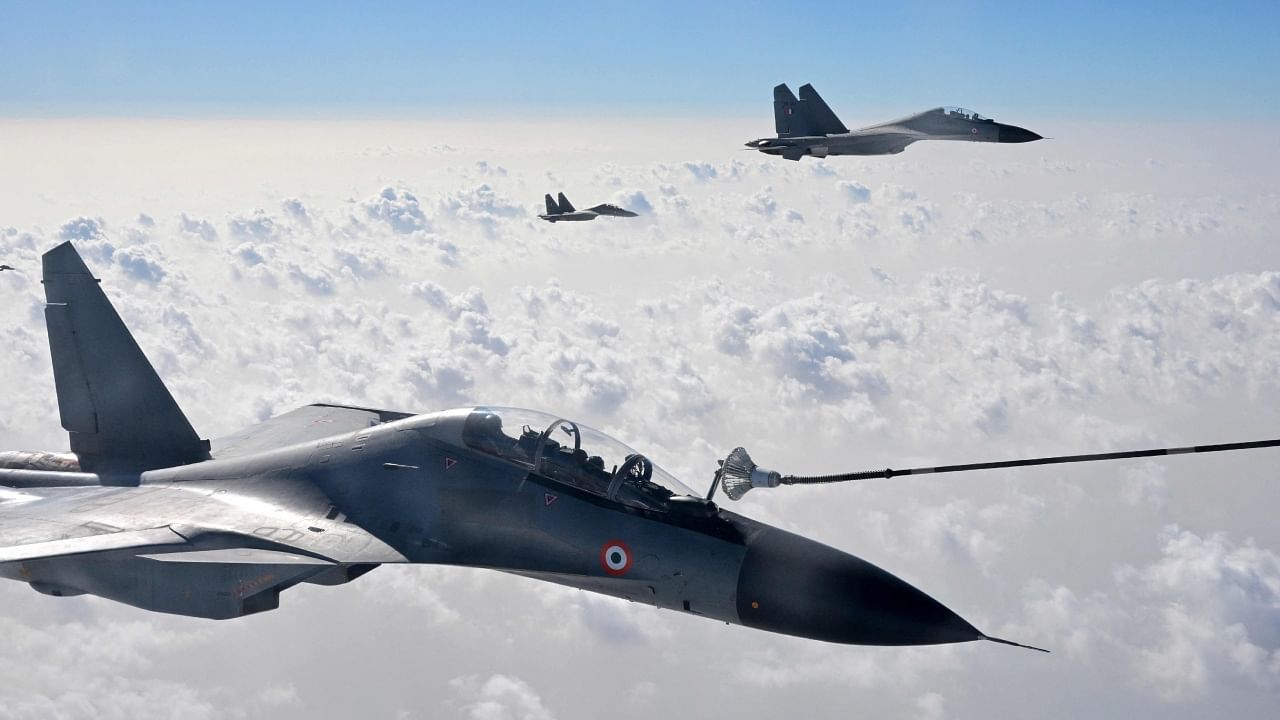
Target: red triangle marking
[[548, 498], [449, 462]]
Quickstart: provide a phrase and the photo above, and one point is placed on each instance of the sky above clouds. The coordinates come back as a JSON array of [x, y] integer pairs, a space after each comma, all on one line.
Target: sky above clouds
[[1116, 287], [1083, 60]]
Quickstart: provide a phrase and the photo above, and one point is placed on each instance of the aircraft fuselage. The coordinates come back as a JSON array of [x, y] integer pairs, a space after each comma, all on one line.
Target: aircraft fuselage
[[577, 216], [426, 497], [807, 126]]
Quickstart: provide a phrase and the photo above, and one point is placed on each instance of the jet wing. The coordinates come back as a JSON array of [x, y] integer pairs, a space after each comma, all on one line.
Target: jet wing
[[214, 550], [886, 140], [902, 124], [280, 515], [305, 424], [614, 210], [794, 152], [121, 540]]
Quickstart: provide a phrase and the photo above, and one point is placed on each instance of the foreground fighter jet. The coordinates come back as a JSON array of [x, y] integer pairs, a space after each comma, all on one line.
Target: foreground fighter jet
[[144, 512], [563, 210], [808, 127]]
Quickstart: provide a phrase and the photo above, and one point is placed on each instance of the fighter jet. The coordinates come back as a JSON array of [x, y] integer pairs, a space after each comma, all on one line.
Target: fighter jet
[[144, 512], [7, 267], [564, 211], [807, 126]]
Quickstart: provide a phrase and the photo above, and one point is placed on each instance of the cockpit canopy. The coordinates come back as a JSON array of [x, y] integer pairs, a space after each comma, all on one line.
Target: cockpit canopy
[[573, 454], [964, 114]]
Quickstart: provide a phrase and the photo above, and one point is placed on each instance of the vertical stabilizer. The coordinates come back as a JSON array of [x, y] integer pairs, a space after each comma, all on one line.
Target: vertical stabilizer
[[565, 205], [118, 412], [552, 208], [787, 119], [817, 114]]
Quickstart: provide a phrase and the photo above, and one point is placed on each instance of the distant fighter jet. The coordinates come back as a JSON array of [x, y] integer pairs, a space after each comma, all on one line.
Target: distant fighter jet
[[808, 127], [564, 211], [7, 267]]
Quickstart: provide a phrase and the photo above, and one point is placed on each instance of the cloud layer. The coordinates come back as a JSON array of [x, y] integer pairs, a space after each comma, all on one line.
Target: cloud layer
[[954, 303]]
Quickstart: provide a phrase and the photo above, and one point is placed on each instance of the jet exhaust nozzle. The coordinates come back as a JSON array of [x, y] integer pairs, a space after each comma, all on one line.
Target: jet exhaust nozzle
[[738, 474]]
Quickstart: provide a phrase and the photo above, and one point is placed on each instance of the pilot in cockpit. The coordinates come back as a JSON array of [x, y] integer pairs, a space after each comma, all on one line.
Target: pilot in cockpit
[[558, 453], [486, 435]]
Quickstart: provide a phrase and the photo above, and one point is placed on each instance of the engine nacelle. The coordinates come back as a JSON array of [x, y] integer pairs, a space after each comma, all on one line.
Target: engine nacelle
[[213, 590], [55, 590], [819, 151], [340, 574]]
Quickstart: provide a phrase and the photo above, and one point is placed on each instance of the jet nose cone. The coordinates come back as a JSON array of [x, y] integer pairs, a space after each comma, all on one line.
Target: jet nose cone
[[1015, 134], [792, 585]]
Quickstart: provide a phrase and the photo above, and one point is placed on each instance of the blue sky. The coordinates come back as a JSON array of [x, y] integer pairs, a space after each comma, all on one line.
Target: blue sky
[[1133, 60]]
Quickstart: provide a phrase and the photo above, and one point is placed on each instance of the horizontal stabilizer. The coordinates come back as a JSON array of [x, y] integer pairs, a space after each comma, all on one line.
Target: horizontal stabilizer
[[119, 413]]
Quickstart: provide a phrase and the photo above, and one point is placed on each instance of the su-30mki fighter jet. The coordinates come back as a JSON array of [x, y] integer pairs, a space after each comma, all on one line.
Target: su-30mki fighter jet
[[807, 126], [145, 512], [564, 211]]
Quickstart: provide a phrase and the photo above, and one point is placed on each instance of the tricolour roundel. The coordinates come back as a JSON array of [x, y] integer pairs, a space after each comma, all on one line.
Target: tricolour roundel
[[615, 557]]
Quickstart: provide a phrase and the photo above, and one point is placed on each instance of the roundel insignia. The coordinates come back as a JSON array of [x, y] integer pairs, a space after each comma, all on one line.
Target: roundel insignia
[[973, 130], [615, 558]]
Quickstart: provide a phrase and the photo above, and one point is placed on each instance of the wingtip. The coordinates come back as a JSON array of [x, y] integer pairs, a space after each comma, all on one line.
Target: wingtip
[[1002, 641]]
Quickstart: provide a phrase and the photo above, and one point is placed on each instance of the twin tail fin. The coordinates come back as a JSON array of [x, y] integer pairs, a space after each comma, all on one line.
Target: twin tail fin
[[119, 414], [805, 116]]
